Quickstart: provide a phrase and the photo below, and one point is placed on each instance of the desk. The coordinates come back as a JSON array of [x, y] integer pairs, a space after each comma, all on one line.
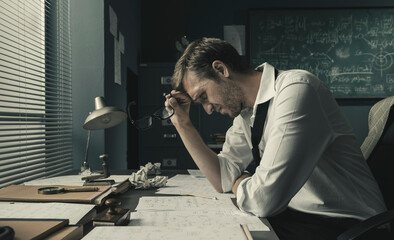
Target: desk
[[131, 198]]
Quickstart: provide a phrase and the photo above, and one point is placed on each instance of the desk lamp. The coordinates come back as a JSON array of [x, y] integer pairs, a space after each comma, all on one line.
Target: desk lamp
[[101, 118]]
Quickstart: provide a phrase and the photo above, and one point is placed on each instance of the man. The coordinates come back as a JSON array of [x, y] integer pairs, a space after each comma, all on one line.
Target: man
[[312, 181]]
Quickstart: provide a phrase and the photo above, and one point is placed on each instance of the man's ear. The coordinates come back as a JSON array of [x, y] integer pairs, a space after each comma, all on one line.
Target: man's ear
[[220, 68]]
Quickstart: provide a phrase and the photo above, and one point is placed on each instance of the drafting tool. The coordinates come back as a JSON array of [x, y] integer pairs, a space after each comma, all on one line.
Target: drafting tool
[[55, 190], [198, 195]]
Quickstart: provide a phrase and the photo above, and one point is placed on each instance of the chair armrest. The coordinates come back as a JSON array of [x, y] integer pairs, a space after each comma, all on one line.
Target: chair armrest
[[366, 225]]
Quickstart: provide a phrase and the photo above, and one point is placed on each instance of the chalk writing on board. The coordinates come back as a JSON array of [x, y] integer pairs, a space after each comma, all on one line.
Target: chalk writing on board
[[350, 50]]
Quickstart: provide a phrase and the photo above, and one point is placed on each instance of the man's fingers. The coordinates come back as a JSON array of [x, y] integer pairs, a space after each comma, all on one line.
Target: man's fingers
[[173, 101], [181, 97]]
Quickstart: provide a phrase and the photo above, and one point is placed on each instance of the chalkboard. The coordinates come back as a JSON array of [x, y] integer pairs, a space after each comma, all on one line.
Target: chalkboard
[[350, 50]]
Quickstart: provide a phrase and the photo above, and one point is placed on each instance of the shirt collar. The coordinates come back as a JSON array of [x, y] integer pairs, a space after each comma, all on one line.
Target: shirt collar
[[267, 85], [265, 93]]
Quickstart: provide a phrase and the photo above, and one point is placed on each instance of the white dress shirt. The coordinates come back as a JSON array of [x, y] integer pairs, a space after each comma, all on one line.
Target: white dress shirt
[[311, 161]]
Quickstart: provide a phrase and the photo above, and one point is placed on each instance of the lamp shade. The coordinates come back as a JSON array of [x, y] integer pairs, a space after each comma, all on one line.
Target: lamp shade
[[103, 116]]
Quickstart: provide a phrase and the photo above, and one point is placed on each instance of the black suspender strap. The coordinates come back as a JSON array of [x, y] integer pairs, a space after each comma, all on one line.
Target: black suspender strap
[[258, 127], [257, 130]]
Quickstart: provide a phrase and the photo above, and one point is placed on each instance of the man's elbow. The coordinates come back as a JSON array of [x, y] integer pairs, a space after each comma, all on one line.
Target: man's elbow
[[262, 205]]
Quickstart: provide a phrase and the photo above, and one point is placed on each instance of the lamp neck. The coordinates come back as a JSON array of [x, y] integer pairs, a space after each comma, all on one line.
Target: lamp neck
[[99, 103]]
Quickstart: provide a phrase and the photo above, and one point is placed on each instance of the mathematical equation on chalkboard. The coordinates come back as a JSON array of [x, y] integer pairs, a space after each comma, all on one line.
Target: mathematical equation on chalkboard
[[350, 50]]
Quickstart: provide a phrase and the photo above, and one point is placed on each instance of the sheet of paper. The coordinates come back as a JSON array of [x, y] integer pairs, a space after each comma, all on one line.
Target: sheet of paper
[[183, 178], [121, 43], [70, 180], [73, 212], [231, 232], [75, 180], [113, 22], [183, 183], [201, 218], [235, 35], [183, 203], [117, 63], [196, 173]]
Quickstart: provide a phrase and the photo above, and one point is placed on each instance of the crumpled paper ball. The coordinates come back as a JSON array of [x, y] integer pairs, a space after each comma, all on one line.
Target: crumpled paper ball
[[152, 169], [140, 179]]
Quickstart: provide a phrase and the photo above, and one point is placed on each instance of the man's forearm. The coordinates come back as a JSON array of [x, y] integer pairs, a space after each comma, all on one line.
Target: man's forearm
[[206, 160], [238, 181]]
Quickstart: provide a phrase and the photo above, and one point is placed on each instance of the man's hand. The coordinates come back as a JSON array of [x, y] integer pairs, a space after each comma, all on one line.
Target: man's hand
[[180, 102], [238, 181]]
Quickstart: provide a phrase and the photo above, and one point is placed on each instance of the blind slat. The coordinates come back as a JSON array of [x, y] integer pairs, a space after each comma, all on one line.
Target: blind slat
[[32, 66], [64, 128], [29, 139], [13, 104], [35, 58], [34, 174], [39, 78], [22, 156], [15, 167], [33, 91], [36, 155], [48, 85], [29, 147]]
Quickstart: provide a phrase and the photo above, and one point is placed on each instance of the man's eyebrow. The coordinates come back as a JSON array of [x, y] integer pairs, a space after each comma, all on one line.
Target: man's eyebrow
[[198, 96], [194, 98]]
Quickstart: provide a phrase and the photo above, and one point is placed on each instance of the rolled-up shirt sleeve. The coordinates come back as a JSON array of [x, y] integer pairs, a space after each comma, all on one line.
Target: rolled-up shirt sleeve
[[235, 155], [299, 133]]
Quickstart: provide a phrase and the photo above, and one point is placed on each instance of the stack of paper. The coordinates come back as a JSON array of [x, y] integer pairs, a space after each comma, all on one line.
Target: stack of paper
[[231, 232], [43, 229], [122, 184], [75, 213], [21, 193], [196, 173], [49, 220], [191, 211], [183, 183], [207, 215], [183, 203], [72, 180]]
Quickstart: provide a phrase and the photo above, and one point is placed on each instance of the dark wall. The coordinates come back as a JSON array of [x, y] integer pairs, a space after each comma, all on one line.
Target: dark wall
[[87, 40], [164, 21], [128, 24]]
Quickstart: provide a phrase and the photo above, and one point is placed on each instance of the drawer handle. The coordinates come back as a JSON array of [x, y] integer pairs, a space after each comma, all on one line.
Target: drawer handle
[[169, 135]]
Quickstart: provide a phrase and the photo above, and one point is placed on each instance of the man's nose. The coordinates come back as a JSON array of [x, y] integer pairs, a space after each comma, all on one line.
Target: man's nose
[[208, 108]]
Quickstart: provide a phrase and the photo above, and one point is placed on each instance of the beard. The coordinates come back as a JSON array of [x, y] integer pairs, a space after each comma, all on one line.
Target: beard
[[232, 98]]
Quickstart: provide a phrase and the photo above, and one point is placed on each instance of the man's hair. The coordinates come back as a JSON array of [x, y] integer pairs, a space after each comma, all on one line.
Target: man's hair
[[199, 56]]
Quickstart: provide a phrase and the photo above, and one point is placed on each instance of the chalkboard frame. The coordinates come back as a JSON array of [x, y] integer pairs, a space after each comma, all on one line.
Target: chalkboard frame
[[249, 49]]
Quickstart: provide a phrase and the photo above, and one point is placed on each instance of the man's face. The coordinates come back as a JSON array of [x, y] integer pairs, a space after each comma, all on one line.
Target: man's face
[[224, 96]]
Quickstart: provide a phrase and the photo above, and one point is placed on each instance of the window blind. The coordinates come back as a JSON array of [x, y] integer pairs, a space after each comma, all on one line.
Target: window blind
[[35, 90]]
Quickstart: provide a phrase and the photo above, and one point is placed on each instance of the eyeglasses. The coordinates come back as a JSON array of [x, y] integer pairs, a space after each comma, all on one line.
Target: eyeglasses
[[146, 122]]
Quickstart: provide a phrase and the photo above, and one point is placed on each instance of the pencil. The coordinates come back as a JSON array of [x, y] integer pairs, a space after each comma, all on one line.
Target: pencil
[[246, 231], [198, 195]]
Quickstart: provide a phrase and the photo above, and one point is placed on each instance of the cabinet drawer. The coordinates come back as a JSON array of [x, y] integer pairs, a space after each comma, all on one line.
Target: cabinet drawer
[[169, 157]]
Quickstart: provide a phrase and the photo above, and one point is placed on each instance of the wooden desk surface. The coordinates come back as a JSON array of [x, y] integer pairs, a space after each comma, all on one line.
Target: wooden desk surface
[[131, 198]]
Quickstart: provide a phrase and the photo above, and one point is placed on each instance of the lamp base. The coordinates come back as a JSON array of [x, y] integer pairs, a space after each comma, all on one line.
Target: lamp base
[[85, 169], [103, 182], [101, 178]]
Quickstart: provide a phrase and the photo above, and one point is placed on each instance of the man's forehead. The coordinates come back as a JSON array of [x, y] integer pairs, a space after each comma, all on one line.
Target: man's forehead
[[192, 84]]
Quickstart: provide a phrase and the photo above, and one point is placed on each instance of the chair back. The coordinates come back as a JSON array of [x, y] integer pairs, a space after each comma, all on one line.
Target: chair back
[[378, 147]]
